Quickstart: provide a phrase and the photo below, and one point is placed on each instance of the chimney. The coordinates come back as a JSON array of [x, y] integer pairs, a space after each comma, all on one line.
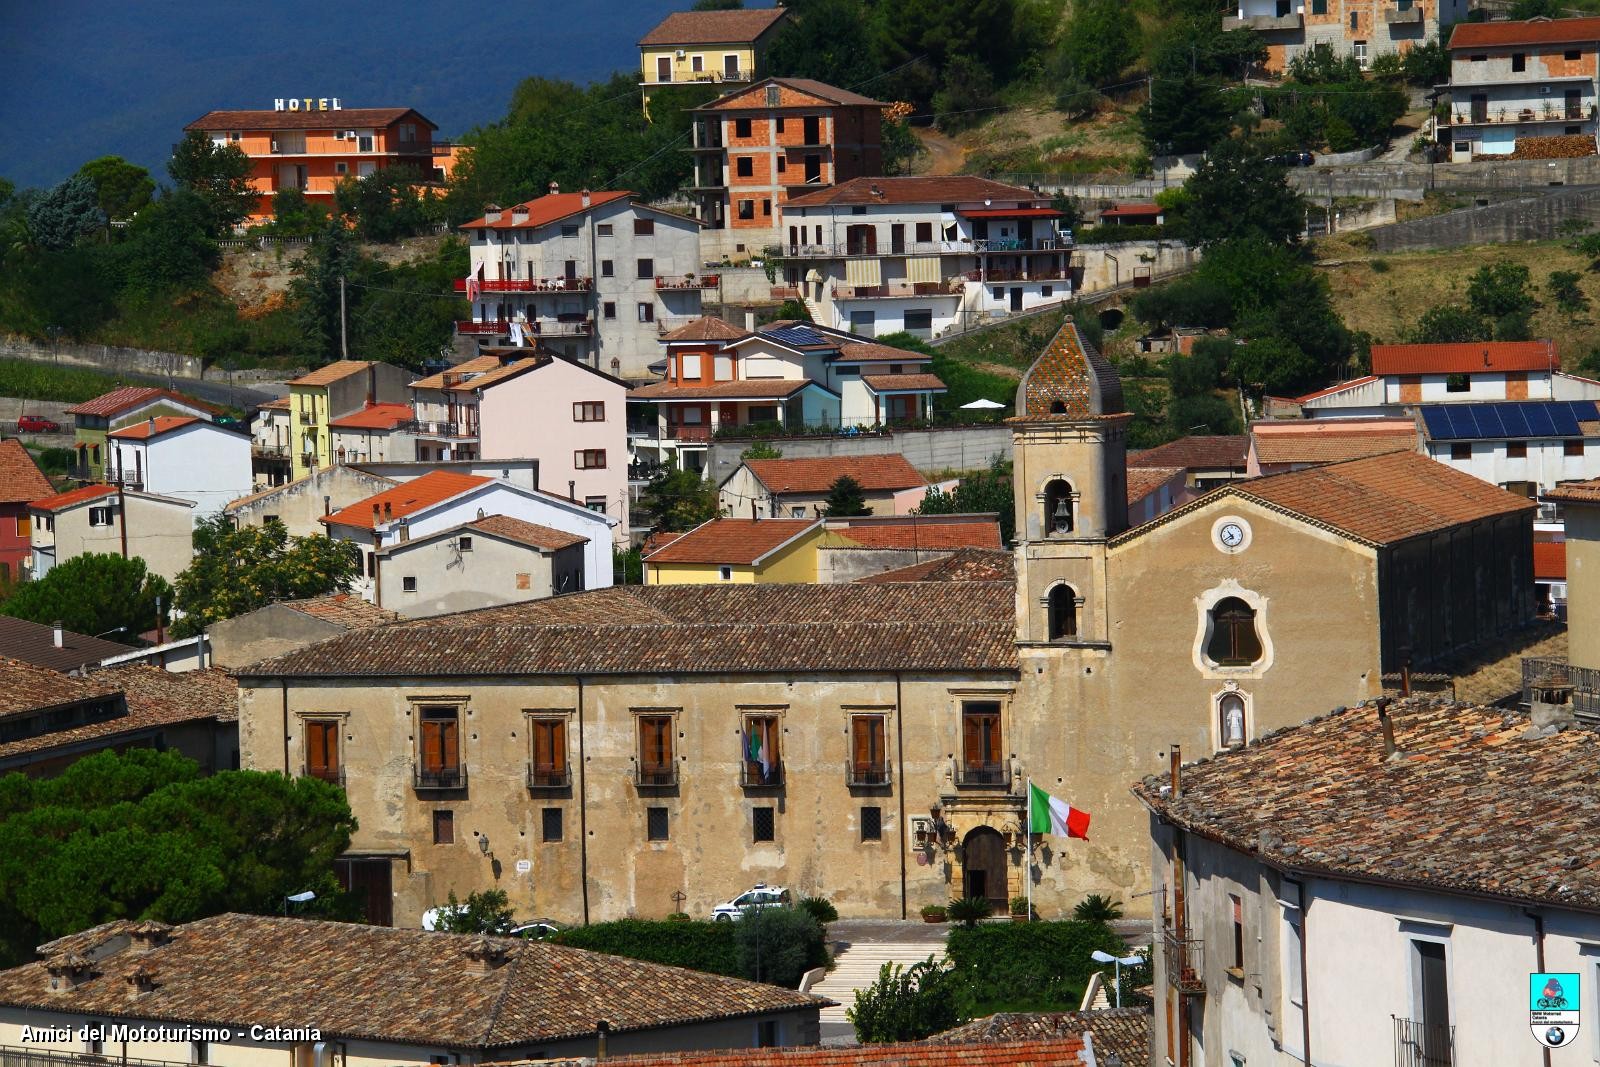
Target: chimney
[[377, 515], [555, 187], [585, 196], [1177, 780], [1382, 704], [602, 1032], [152, 425], [388, 511], [141, 980], [68, 971], [372, 384], [572, 489], [485, 955], [327, 505], [491, 213], [59, 635], [149, 934], [519, 213], [750, 319]]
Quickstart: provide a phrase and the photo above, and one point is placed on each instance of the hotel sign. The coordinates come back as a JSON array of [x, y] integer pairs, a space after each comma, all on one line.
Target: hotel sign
[[308, 103]]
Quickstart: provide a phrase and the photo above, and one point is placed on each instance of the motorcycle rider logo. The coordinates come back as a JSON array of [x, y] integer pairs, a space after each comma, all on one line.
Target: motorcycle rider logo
[[1553, 1001]]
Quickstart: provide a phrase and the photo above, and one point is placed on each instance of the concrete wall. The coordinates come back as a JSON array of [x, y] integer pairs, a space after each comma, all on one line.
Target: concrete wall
[[106, 357], [1532, 219], [274, 630], [299, 504], [1104, 266], [838, 564], [159, 532], [494, 571], [1583, 584], [960, 448]]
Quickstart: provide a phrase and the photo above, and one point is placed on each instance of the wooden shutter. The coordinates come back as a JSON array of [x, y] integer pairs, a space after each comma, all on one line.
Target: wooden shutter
[[440, 746], [972, 738], [861, 742], [992, 737], [655, 740], [550, 745], [322, 749]]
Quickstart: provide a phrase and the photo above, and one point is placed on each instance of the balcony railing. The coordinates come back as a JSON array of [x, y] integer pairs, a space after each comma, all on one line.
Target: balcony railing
[[424, 428], [529, 285], [1502, 116], [697, 76], [425, 778], [537, 328], [689, 281], [751, 775], [983, 773], [540, 777], [335, 775], [996, 274], [482, 327], [866, 775], [963, 246], [15, 1056], [1580, 685], [268, 450], [892, 290], [655, 776], [1292, 21], [1185, 962], [1419, 1044]]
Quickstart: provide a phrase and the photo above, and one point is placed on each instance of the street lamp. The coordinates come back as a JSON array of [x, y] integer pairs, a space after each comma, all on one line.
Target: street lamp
[[298, 898], [1120, 961]]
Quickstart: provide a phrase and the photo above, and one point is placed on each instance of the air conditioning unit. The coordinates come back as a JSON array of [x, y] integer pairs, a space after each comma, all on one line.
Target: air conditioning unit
[[274, 145], [681, 53], [1544, 90], [347, 135]]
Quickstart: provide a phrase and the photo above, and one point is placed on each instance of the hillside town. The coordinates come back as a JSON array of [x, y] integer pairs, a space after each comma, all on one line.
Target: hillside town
[[721, 567]]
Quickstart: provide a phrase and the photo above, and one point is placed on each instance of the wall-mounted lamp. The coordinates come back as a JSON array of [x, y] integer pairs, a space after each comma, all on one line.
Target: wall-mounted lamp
[[483, 843]]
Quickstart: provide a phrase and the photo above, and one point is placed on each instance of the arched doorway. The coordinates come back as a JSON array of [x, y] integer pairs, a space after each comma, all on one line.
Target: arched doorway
[[983, 869]]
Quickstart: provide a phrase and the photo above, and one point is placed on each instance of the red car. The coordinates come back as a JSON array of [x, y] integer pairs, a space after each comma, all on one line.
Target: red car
[[37, 424]]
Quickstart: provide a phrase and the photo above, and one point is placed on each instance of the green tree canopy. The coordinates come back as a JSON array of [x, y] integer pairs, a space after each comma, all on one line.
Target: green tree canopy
[[220, 174], [845, 498], [486, 912], [1185, 114], [386, 205], [122, 188], [1238, 194], [1100, 39], [68, 211], [1498, 289], [980, 492], [94, 594], [1563, 289], [905, 1004], [235, 571], [143, 835], [1450, 324], [168, 246], [678, 499]]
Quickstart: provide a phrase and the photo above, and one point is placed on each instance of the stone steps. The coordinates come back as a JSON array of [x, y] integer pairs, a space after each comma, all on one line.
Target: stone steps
[[857, 967]]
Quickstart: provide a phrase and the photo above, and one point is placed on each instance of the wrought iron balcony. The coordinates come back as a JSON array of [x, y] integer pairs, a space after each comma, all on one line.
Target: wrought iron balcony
[[545, 777], [983, 774], [439, 778], [1419, 1044], [1185, 962], [866, 775], [891, 290], [689, 281], [752, 776], [655, 775], [528, 285], [335, 775]]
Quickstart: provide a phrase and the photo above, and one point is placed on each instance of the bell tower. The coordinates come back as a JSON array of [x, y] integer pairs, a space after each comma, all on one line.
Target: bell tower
[[1069, 475]]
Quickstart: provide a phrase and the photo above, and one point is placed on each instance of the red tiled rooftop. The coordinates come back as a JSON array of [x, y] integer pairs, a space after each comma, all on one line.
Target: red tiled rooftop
[[333, 372], [880, 473], [737, 26], [71, 497], [738, 542], [706, 328], [1196, 453], [374, 417], [153, 427], [1338, 387], [1142, 481], [930, 535], [1330, 440], [766, 389], [920, 189], [542, 211], [1477, 357], [21, 480], [405, 498], [1131, 211], [899, 383], [1063, 1051], [532, 534], [343, 119], [1578, 31], [114, 403], [754, 98]]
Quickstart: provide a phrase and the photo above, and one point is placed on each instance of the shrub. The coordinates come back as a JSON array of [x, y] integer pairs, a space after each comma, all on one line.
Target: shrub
[[1020, 906], [1107, 235], [488, 912], [819, 908], [778, 945], [905, 1003], [969, 910], [1041, 966], [679, 917], [936, 912], [1095, 908], [706, 947], [1379, 266]]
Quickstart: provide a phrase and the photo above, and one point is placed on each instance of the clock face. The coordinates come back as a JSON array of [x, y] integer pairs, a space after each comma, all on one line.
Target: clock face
[[1231, 535]]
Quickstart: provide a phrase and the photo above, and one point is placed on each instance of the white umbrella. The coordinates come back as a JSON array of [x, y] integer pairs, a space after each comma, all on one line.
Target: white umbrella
[[984, 405]]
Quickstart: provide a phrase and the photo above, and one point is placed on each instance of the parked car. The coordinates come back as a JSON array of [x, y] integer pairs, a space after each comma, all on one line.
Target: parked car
[[537, 929], [1293, 159], [762, 896], [37, 424]]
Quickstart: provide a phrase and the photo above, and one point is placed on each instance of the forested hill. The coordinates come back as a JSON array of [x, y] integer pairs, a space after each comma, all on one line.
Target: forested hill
[[86, 79]]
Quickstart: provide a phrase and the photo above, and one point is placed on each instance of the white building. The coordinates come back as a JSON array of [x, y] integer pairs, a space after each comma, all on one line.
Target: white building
[[927, 255], [597, 277], [183, 457], [442, 500], [103, 520], [271, 455], [1528, 447], [1356, 28], [377, 433], [1516, 81], [1362, 890]]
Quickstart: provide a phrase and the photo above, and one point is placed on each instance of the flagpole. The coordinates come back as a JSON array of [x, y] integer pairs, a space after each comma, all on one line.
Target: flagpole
[[1027, 871]]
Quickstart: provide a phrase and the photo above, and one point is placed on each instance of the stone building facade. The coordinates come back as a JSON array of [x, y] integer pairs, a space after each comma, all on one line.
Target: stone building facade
[[591, 754]]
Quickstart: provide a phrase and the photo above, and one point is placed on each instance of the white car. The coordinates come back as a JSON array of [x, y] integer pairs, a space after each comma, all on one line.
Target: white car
[[762, 896]]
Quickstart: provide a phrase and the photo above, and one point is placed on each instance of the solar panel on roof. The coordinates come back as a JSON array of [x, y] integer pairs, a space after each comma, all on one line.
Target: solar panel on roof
[[798, 335], [1510, 420]]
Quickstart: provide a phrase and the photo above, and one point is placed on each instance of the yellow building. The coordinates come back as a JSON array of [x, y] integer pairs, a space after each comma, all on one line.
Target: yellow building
[[741, 551], [704, 47], [327, 393]]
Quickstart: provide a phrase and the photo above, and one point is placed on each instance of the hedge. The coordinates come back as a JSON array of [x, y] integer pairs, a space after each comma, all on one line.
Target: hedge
[[1041, 966], [1110, 235], [699, 946]]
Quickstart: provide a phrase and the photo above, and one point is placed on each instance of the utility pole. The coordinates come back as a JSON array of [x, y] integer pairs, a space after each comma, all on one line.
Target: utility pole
[[344, 346]]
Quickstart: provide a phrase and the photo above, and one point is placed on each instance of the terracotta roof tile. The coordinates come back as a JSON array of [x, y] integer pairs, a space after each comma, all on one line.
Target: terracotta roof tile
[[280, 404], [1069, 380], [1331, 440], [1550, 560], [114, 403], [405, 498], [1142, 481], [152, 697], [921, 189], [929, 535], [153, 427], [61, 501], [876, 473], [962, 565], [1476, 357], [21, 480], [1060, 1051], [333, 372], [959, 626], [1338, 387], [384, 984], [543, 210], [1196, 453], [1587, 492], [346, 609], [899, 383], [706, 328], [713, 27], [30, 687], [740, 542], [1124, 1032], [1527, 31], [865, 351], [527, 533], [766, 389], [343, 119], [374, 417], [1470, 804], [753, 98], [33, 642], [452, 375], [500, 374]]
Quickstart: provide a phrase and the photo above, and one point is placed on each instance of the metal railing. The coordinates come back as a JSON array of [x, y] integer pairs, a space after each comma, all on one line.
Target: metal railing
[[1508, 117], [689, 281], [983, 773], [1185, 962], [655, 776], [15, 1056], [962, 246], [889, 291], [537, 327], [751, 776], [529, 285], [1583, 682], [1001, 274], [695, 76], [270, 450], [425, 428], [549, 777], [866, 775], [1419, 1044], [440, 777], [335, 775]]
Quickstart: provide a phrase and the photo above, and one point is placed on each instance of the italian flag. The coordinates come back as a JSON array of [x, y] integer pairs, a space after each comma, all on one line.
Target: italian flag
[[1049, 815]]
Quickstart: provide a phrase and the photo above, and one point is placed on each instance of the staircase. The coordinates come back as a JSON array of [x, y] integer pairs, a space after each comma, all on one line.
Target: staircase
[[858, 965], [811, 308]]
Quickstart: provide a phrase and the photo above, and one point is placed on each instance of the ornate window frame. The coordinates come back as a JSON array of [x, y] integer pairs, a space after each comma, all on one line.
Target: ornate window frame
[[1204, 603]]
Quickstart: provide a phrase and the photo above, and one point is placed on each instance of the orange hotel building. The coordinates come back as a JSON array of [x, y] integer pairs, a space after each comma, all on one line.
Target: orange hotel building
[[314, 148]]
